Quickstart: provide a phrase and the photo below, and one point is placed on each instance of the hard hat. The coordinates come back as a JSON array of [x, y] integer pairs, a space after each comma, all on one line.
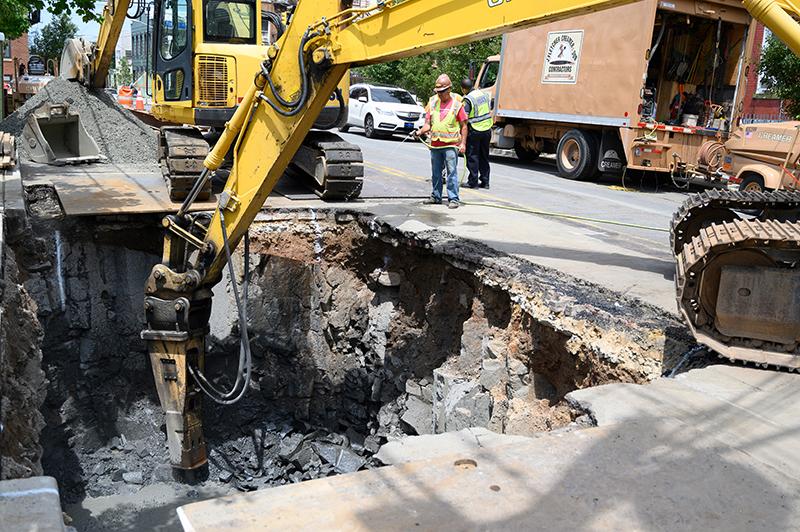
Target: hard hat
[[441, 87]]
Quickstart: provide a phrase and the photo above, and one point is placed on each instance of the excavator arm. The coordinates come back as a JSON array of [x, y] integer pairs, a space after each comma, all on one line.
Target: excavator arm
[[302, 69], [81, 60]]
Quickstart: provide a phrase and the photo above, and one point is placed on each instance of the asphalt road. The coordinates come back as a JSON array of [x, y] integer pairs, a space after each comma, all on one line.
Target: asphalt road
[[633, 259]]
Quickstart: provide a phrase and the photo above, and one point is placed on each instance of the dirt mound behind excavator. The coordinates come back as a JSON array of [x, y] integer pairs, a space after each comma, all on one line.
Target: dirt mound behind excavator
[[121, 137]]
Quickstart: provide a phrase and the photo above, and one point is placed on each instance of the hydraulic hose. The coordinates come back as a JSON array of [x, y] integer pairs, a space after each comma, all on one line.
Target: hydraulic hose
[[295, 106], [243, 374], [339, 115]]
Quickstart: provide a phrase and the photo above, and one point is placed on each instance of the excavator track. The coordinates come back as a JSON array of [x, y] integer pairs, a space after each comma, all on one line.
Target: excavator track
[[332, 166], [716, 206], [738, 289], [181, 154]]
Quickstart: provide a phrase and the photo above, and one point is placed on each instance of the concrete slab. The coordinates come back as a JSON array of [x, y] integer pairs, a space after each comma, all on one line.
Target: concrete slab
[[98, 189], [643, 475], [754, 411], [13, 201], [30, 504], [428, 446]]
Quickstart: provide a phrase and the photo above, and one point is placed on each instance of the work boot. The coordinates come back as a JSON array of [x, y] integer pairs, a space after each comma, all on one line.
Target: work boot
[[470, 185], [484, 185], [452, 205], [432, 201]]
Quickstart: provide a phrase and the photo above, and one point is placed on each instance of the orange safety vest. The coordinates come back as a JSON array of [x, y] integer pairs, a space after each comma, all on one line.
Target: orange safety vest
[[446, 130]]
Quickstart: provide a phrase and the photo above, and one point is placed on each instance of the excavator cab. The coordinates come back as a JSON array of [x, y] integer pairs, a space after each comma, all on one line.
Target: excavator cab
[[204, 54]]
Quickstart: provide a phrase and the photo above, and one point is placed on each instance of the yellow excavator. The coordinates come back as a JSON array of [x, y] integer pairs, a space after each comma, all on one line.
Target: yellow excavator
[[724, 261], [204, 54]]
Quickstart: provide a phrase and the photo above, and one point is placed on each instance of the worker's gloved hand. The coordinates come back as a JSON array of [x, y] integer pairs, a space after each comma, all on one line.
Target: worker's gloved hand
[[462, 149]]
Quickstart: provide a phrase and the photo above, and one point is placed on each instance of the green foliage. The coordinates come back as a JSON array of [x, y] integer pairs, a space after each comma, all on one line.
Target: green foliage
[[14, 14], [418, 74], [781, 74], [50, 41], [13, 18], [122, 72]]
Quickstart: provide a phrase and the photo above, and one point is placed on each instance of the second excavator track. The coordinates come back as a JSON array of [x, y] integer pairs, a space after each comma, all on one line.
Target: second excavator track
[[715, 206], [771, 248], [331, 165]]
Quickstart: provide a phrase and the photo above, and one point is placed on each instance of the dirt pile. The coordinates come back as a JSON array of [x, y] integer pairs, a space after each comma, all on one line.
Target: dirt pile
[[122, 138]]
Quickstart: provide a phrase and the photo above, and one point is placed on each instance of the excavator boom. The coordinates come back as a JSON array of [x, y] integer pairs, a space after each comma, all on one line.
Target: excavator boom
[[322, 42]]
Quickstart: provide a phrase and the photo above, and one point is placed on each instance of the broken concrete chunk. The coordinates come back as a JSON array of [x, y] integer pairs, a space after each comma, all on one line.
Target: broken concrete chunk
[[492, 348], [303, 456], [418, 415], [516, 367], [342, 459], [289, 445], [448, 390], [413, 388], [133, 477], [473, 410], [493, 373], [390, 279], [225, 476]]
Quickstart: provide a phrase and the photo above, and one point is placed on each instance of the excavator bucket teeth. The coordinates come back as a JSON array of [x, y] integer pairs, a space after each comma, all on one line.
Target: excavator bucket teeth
[[333, 166], [55, 135]]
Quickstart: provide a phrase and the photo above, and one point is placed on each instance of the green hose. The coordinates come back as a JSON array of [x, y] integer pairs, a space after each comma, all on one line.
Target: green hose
[[564, 215]]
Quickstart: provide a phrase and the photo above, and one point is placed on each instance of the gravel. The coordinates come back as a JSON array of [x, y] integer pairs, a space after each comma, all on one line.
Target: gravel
[[122, 138]]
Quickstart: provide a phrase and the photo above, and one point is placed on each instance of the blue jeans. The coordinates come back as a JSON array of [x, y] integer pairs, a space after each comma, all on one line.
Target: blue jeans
[[439, 158]]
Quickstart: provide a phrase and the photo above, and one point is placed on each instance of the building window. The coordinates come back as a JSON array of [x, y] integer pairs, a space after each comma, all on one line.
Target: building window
[[7, 50]]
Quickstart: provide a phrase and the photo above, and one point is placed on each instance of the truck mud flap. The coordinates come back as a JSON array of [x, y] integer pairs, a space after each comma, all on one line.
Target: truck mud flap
[[612, 157]]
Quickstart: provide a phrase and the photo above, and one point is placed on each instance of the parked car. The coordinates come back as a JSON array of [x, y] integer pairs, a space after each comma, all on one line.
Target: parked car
[[383, 110]]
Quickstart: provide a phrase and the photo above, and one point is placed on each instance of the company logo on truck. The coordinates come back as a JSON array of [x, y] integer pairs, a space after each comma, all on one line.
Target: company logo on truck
[[562, 56]]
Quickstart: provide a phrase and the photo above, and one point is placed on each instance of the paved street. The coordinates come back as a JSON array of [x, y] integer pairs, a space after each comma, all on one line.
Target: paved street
[[632, 260]]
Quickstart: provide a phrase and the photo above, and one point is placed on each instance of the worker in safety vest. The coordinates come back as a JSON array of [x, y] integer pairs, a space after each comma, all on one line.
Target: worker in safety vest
[[446, 121], [478, 106]]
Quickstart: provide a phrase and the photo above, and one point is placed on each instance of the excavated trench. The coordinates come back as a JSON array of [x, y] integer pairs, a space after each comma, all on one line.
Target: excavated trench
[[360, 333]]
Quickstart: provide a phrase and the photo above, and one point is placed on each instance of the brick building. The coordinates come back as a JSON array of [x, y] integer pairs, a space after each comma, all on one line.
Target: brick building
[[18, 48], [755, 103]]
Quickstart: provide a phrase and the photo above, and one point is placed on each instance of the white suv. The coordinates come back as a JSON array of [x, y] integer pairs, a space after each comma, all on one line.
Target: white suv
[[383, 110]]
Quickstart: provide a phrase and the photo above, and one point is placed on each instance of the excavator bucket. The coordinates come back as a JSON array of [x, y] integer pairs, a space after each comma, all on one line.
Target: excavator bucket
[[54, 135]]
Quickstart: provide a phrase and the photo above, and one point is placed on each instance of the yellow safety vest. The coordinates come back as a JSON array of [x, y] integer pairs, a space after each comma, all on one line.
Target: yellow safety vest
[[447, 130], [480, 113]]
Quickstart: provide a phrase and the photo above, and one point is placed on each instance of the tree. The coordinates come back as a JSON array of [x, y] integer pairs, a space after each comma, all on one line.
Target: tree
[[418, 74], [780, 69], [50, 41], [122, 72], [15, 14], [13, 18]]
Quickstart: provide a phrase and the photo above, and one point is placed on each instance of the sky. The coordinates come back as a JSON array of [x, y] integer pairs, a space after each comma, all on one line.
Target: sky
[[89, 30]]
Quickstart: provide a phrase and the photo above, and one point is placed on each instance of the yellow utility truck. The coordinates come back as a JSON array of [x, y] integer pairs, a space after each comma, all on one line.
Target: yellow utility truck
[[653, 85]]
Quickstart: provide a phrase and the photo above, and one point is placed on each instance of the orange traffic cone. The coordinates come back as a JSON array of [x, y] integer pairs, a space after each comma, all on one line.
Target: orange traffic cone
[[125, 97], [139, 103]]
